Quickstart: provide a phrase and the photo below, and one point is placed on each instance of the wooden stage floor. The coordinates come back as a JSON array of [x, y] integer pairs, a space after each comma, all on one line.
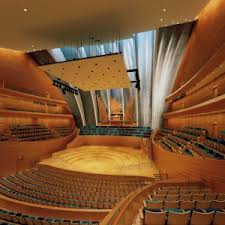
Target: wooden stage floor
[[111, 160]]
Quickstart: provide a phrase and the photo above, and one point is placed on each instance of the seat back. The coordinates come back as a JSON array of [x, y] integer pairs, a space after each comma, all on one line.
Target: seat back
[[158, 197], [172, 197], [175, 218], [209, 197], [219, 218], [187, 204], [185, 197], [196, 197], [199, 218], [221, 197], [154, 204], [203, 204], [216, 204], [171, 204], [154, 218]]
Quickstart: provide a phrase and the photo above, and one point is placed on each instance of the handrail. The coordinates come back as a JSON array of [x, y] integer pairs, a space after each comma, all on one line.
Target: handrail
[[125, 211], [199, 75]]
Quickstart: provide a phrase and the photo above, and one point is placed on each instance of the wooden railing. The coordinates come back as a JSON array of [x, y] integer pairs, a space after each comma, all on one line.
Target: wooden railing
[[125, 212]]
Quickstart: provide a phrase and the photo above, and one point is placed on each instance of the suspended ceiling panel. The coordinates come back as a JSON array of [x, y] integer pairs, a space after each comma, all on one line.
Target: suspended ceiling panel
[[46, 24], [97, 73]]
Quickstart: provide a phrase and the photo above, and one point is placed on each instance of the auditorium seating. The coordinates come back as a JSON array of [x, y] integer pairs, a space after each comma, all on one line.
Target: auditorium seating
[[176, 205], [35, 132], [31, 132], [56, 187], [191, 141], [9, 217]]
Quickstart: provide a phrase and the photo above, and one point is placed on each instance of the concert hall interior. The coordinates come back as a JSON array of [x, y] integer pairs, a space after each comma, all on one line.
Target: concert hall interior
[[112, 112]]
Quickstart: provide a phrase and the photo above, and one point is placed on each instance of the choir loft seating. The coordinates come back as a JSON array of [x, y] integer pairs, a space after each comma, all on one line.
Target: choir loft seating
[[35, 132], [176, 205], [191, 141], [56, 187], [116, 131]]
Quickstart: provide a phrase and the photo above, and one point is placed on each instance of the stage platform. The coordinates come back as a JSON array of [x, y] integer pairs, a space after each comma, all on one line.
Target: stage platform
[[99, 159]]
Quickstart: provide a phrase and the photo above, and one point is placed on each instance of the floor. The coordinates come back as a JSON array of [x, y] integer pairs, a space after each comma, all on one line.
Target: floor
[[111, 160]]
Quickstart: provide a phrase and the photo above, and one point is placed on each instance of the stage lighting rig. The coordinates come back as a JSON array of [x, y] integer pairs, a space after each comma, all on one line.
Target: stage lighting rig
[[137, 81], [64, 87]]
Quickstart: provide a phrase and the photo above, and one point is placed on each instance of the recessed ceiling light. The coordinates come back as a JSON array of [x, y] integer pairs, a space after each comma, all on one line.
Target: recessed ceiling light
[[164, 10], [161, 19], [25, 10]]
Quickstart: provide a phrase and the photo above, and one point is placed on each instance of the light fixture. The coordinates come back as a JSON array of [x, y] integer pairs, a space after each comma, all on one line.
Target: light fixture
[[164, 10], [25, 10], [186, 19], [161, 19]]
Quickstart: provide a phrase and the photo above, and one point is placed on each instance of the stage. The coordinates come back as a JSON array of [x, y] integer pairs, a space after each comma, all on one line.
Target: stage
[[99, 159]]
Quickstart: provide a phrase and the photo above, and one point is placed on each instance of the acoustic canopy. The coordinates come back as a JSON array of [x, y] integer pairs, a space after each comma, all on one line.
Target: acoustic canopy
[[95, 73]]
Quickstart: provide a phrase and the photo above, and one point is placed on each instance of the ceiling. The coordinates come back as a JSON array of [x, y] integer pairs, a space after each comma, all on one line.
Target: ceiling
[[31, 25], [96, 73]]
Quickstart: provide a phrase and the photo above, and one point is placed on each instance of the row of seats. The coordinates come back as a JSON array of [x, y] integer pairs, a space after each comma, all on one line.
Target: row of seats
[[181, 217], [190, 141], [46, 186], [19, 218], [183, 205], [37, 132]]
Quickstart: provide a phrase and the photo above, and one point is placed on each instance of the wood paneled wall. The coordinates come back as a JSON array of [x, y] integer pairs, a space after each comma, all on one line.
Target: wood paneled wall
[[207, 37], [16, 156], [20, 73]]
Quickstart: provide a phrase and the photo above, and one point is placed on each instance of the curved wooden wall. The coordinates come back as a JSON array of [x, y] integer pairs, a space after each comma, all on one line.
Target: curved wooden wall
[[207, 37], [20, 73], [16, 156], [107, 140], [209, 171]]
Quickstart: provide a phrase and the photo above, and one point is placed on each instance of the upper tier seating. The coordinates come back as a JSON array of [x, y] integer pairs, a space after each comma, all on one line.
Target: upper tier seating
[[176, 205], [191, 141], [31, 132], [56, 187], [9, 217], [35, 132]]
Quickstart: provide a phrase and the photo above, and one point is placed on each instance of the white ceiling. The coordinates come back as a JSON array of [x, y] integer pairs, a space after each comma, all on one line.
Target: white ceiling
[[55, 23]]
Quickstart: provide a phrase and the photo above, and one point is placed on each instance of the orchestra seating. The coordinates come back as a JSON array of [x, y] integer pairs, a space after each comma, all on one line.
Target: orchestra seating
[[56, 187], [191, 141], [35, 132], [176, 205], [9, 217]]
